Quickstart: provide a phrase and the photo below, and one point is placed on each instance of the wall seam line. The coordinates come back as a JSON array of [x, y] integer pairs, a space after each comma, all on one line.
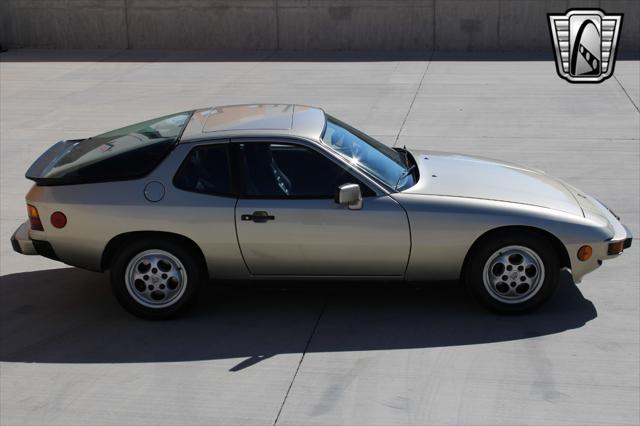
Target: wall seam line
[[499, 45], [435, 4], [126, 23], [275, 2]]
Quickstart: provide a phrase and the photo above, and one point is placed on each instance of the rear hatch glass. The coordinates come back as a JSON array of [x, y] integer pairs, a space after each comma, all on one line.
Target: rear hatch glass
[[126, 153]]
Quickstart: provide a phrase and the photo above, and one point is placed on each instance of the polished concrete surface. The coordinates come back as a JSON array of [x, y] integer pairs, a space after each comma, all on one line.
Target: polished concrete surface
[[325, 353]]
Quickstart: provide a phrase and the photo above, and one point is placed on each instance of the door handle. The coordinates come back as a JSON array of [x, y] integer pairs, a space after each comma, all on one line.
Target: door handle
[[259, 216]]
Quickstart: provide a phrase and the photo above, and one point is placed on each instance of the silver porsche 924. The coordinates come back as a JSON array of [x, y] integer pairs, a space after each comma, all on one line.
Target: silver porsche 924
[[289, 192]]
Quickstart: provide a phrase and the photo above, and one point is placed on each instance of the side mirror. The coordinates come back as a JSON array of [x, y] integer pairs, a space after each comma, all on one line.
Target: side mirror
[[349, 195]]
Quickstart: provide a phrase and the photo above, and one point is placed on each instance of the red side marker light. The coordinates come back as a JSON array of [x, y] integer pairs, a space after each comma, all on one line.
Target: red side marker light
[[58, 220]]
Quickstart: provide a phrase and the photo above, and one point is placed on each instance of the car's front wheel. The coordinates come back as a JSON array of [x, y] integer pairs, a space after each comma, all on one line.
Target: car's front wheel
[[513, 273], [155, 279]]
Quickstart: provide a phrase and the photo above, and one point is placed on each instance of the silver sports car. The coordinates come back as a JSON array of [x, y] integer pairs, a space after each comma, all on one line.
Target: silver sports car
[[290, 192]]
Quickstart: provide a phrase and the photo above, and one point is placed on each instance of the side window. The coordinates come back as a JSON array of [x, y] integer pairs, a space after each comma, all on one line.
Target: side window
[[280, 170], [206, 170]]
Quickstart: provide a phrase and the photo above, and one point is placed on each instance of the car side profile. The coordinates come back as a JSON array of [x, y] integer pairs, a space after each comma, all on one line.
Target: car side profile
[[280, 191]]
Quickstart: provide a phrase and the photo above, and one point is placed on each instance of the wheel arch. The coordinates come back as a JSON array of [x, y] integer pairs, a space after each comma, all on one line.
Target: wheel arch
[[119, 240], [561, 250]]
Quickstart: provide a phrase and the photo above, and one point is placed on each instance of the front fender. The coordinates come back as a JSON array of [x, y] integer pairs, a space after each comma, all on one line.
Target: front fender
[[444, 228]]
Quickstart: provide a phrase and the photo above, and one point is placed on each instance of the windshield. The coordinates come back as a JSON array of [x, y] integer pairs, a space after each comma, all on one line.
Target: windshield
[[375, 158], [120, 153]]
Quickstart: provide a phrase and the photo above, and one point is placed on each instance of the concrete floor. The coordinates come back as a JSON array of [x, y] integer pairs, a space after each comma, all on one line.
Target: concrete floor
[[325, 354]]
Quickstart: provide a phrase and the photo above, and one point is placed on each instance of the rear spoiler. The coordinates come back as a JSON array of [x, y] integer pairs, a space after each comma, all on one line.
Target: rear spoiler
[[42, 166]]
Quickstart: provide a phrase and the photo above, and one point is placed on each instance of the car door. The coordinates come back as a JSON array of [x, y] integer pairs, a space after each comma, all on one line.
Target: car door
[[289, 224]]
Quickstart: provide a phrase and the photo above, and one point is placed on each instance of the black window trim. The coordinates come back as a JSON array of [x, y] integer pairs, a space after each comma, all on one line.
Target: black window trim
[[138, 176], [359, 133], [237, 168], [230, 166]]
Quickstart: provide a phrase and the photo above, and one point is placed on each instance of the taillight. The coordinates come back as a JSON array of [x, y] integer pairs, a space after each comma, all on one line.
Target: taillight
[[34, 218], [58, 219]]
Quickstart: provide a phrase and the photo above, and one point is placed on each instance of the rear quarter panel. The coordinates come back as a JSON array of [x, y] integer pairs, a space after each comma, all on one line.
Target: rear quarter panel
[[98, 212]]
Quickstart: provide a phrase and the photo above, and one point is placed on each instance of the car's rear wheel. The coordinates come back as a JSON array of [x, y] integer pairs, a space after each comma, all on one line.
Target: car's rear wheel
[[155, 279], [513, 273]]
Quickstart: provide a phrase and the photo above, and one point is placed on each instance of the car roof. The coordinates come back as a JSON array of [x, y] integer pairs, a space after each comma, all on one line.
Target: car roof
[[255, 120]]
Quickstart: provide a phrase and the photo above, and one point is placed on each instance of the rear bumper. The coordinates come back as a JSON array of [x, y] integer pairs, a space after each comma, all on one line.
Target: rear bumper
[[23, 244]]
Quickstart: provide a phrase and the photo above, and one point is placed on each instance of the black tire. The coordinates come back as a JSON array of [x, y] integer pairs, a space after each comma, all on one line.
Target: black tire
[[474, 276], [190, 267]]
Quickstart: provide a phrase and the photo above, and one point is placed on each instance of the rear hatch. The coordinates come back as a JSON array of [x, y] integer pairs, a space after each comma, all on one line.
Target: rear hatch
[[126, 153]]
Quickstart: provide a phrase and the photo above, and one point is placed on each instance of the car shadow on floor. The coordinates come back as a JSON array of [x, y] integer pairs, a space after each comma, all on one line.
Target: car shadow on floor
[[69, 316]]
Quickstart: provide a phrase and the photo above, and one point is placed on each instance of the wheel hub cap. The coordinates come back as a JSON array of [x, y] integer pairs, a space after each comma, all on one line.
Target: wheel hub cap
[[513, 274], [155, 279]]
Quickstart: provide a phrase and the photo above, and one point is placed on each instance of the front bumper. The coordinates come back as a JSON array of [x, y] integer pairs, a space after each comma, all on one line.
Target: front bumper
[[617, 246], [621, 239]]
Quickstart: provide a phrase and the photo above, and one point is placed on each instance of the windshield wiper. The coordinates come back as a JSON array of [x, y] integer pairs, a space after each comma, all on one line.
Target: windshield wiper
[[405, 174]]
